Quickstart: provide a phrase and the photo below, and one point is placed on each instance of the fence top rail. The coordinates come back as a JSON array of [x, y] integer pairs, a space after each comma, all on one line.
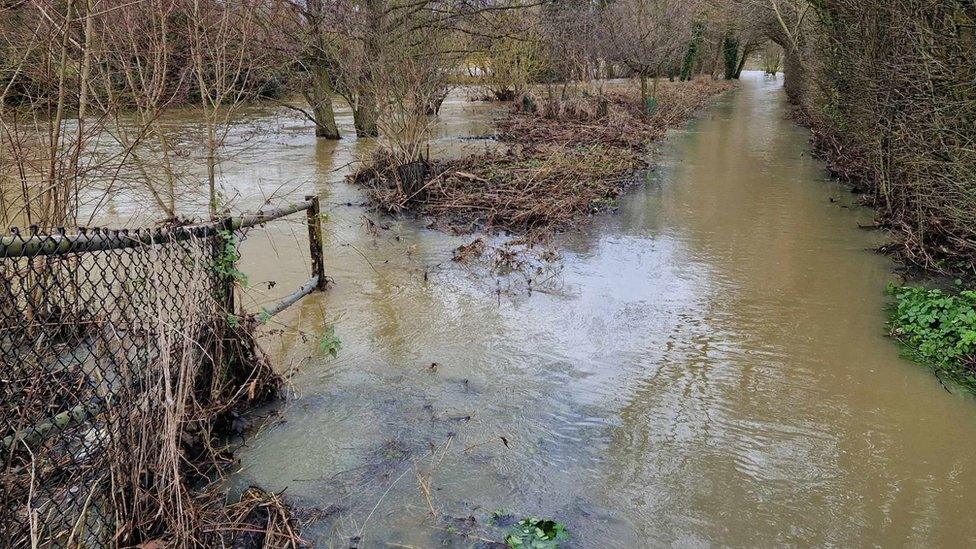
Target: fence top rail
[[97, 239]]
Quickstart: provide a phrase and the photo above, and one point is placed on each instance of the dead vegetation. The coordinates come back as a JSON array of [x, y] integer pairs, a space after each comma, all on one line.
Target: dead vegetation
[[567, 159], [516, 266], [614, 117], [259, 519], [98, 477], [122, 395], [526, 189]]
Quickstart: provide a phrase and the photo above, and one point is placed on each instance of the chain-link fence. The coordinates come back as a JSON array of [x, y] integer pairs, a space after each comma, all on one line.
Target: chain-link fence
[[114, 366]]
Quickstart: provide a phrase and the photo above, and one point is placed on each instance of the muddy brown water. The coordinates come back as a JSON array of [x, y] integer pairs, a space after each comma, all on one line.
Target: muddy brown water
[[708, 367]]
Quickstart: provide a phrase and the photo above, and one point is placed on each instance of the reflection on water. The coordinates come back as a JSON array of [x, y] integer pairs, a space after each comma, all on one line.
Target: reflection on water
[[712, 371], [266, 157]]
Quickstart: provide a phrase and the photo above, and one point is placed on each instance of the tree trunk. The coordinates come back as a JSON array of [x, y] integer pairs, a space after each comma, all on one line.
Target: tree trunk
[[718, 54], [795, 83], [746, 52], [795, 50], [364, 115], [366, 110], [319, 92], [730, 49], [320, 99], [643, 83]]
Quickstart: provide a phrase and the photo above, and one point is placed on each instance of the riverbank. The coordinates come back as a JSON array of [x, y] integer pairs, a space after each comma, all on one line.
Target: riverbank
[[932, 318], [566, 159], [893, 111]]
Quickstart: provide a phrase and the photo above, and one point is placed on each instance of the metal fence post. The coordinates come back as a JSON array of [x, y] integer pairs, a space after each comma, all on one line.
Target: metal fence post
[[89, 323], [315, 241]]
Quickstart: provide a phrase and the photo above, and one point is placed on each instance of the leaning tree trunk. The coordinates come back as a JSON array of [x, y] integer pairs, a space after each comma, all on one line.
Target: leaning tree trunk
[[795, 82], [746, 52]]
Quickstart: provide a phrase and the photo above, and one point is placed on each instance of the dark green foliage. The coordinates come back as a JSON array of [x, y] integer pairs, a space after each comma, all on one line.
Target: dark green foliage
[[938, 329], [730, 49], [694, 47], [533, 533], [225, 263]]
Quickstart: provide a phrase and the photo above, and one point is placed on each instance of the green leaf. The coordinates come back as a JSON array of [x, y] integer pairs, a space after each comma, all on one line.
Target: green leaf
[[937, 329], [329, 343], [537, 534]]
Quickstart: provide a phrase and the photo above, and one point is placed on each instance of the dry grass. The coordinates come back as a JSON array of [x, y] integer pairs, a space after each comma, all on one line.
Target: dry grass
[[567, 160], [613, 118], [141, 386], [259, 519]]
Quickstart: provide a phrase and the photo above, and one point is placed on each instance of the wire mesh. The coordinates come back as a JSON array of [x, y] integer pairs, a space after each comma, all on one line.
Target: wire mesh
[[90, 341]]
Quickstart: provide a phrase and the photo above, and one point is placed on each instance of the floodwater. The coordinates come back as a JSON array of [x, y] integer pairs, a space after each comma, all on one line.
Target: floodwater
[[708, 367]]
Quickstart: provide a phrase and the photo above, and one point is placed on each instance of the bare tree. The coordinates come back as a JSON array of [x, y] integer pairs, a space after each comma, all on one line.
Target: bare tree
[[410, 76], [47, 138], [141, 79], [508, 50], [222, 40], [647, 36]]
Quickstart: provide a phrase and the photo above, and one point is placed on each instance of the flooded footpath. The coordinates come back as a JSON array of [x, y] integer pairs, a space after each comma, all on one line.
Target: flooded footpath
[[708, 365]]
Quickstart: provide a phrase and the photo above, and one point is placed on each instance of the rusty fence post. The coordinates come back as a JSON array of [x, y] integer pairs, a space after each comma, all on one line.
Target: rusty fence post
[[315, 242]]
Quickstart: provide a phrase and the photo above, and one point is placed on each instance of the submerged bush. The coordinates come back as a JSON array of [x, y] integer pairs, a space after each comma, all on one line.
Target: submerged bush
[[938, 329]]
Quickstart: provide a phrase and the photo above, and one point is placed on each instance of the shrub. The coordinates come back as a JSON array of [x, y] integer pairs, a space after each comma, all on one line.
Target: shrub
[[938, 329]]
